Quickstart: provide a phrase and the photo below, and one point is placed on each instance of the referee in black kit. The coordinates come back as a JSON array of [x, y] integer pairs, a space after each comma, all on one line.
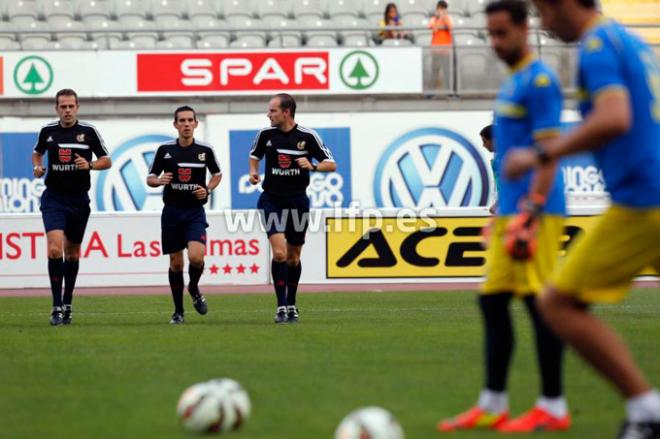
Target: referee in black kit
[[283, 205], [65, 210], [180, 166]]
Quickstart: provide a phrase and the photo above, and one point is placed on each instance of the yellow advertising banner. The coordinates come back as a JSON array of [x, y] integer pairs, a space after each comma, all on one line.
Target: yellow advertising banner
[[394, 247]]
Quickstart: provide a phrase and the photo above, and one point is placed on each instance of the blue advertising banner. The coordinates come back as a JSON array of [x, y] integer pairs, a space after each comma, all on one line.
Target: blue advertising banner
[[19, 190]]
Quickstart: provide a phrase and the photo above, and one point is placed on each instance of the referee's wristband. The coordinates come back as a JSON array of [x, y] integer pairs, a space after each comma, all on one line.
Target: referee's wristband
[[541, 154]]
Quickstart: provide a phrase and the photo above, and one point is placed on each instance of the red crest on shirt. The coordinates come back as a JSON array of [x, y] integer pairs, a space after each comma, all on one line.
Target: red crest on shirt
[[65, 155], [185, 174], [284, 161]]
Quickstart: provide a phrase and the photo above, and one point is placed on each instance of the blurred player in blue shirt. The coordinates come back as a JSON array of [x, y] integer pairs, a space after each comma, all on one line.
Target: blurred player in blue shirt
[[619, 92], [525, 239]]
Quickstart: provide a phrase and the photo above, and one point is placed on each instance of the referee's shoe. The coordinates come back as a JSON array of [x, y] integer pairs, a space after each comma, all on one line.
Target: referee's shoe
[[199, 301], [56, 316]]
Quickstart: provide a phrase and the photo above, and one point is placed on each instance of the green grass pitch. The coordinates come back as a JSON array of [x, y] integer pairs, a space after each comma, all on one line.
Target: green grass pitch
[[119, 369]]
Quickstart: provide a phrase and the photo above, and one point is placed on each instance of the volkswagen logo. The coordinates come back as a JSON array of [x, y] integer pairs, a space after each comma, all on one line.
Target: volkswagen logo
[[431, 168], [123, 187]]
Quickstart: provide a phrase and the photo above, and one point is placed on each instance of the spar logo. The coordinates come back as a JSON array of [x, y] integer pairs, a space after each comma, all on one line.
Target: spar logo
[[429, 168], [232, 71], [33, 75], [123, 187], [359, 70]]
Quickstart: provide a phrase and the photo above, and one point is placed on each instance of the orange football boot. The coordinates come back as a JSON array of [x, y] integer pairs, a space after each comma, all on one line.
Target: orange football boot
[[476, 417], [535, 419]]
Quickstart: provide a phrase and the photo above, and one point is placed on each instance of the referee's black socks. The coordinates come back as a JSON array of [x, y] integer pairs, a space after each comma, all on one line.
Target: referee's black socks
[[55, 273], [176, 285], [195, 273], [70, 276], [293, 277], [279, 270]]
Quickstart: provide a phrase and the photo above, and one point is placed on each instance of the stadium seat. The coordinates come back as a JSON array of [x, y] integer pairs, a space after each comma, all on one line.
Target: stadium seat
[[415, 19], [397, 42], [38, 40], [303, 9], [106, 34], [22, 13], [319, 27], [247, 42], [374, 9], [237, 8], [202, 10], [7, 37], [211, 24], [179, 34], [167, 12], [274, 8], [147, 36], [58, 11], [321, 41], [175, 43], [422, 38], [131, 12], [213, 41], [284, 40], [413, 6], [72, 40], [356, 41], [455, 7], [137, 44], [281, 35], [467, 38], [478, 70], [248, 30], [351, 26], [94, 11], [343, 8], [473, 7]]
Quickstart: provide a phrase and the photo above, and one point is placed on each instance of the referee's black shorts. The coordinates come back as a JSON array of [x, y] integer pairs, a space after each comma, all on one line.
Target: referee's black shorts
[[286, 214]]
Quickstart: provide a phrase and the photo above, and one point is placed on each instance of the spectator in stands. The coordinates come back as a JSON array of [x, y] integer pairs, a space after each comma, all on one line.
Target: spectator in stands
[[391, 18], [441, 25]]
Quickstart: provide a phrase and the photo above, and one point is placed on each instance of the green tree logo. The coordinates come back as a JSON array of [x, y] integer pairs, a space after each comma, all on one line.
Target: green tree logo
[[359, 70], [33, 75]]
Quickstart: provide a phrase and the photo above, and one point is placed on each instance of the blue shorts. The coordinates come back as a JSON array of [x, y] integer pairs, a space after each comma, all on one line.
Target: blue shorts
[[66, 212], [179, 226], [286, 214]]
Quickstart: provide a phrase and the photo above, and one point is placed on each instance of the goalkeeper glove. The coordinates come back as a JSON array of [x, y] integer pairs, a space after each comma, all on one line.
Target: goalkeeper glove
[[520, 234]]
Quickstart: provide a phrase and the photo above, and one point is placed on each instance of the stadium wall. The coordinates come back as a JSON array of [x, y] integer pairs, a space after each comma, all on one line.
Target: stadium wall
[[388, 164]]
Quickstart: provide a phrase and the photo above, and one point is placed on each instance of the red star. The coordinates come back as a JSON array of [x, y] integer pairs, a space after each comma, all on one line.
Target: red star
[[241, 269], [254, 268], [214, 269], [226, 269]]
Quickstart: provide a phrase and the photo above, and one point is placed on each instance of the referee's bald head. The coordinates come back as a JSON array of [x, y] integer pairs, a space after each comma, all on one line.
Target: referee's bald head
[[287, 103]]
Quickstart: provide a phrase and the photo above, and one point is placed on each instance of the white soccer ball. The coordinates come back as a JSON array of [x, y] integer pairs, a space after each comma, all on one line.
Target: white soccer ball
[[369, 423], [214, 406]]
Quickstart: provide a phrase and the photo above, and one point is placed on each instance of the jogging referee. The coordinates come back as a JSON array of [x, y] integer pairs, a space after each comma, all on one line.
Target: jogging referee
[[291, 153], [180, 166], [70, 145]]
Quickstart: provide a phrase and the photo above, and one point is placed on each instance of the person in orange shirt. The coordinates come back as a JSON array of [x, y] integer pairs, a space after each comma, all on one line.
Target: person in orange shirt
[[441, 24]]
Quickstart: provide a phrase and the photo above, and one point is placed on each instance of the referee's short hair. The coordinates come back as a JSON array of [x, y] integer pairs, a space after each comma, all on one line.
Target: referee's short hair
[[65, 92], [487, 132], [287, 103], [184, 108]]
